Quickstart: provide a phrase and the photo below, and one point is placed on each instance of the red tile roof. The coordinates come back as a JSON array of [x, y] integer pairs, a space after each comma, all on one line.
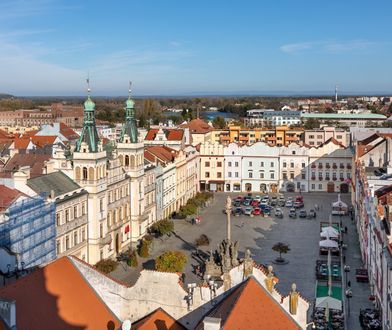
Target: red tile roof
[[58, 297], [197, 126], [29, 133], [21, 143], [162, 154], [34, 161], [43, 140], [8, 196], [4, 136], [171, 134], [157, 320], [68, 132], [251, 307]]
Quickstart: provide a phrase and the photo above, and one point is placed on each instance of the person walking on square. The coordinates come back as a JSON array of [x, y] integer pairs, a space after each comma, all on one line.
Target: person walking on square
[[345, 229]]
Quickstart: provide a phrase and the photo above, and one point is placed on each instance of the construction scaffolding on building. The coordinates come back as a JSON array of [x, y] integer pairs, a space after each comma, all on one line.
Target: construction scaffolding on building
[[29, 231]]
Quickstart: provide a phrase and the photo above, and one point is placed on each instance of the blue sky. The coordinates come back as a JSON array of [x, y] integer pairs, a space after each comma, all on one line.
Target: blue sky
[[47, 47]]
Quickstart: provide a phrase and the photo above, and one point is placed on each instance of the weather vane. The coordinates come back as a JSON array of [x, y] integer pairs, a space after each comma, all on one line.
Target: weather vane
[[88, 83], [130, 89]]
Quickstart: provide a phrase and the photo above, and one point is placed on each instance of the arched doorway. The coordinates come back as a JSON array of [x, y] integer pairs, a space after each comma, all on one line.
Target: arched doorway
[[117, 244], [344, 188], [330, 187], [273, 188], [263, 188], [228, 187], [290, 187], [248, 187]]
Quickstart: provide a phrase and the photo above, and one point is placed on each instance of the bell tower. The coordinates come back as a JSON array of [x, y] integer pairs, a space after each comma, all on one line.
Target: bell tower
[[89, 171], [131, 154]]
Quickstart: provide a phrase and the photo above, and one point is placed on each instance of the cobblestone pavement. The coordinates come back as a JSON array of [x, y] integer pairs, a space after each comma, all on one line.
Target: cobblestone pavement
[[259, 235]]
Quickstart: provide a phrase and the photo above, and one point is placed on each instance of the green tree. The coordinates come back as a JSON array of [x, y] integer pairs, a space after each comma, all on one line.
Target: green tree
[[144, 248], [162, 227], [132, 261], [312, 123], [219, 122], [281, 248], [106, 266], [171, 261]]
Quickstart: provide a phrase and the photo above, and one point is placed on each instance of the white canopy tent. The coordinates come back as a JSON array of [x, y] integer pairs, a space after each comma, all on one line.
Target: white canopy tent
[[329, 232], [329, 302], [328, 243], [339, 207]]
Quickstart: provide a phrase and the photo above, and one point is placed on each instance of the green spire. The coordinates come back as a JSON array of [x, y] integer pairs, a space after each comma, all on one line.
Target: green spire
[[89, 133], [129, 126]]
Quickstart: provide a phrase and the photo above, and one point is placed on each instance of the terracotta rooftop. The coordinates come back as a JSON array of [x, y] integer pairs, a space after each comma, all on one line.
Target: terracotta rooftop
[[68, 132], [198, 126], [34, 161], [58, 297], [29, 133], [21, 143], [43, 140], [251, 307], [157, 320], [171, 134], [8, 196], [162, 154], [364, 146]]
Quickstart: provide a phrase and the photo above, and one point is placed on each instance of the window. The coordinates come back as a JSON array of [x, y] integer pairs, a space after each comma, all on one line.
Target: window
[[284, 175], [229, 174], [75, 211], [293, 152], [311, 143], [66, 243], [250, 164], [327, 177], [101, 230], [348, 175], [262, 164], [207, 174], [219, 174], [339, 137], [303, 165], [272, 164], [313, 186], [261, 175], [341, 175], [219, 164], [207, 164], [75, 238], [83, 208], [66, 215], [292, 165], [250, 175], [84, 173], [101, 205], [320, 174], [291, 175], [303, 175], [236, 174], [311, 136], [58, 247], [320, 186], [58, 219], [284, 164], [83, 235], [236, 164], [272, 174], [334, 176], [319, 136], [229, 164]]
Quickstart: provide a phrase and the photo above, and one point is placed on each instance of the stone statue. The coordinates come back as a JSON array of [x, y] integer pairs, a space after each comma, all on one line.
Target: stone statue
[[270, 281], [293, 299], [234, 253], [247, 254], [248, 264]]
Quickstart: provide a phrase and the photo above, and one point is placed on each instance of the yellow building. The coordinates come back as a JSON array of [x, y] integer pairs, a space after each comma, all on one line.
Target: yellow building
[[278, 136]]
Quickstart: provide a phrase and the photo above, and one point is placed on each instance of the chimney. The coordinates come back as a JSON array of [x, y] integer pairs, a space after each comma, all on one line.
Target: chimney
[[211, 323]]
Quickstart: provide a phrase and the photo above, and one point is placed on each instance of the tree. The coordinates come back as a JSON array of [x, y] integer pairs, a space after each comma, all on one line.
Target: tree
[[312, 123], [202, 240], [106, 266], [162, 227], [171, 261], [144, 248], [281, 248], [219, 122], [132, 261]]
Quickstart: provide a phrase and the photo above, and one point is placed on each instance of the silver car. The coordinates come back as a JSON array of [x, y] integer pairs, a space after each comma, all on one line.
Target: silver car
[[248, 211]]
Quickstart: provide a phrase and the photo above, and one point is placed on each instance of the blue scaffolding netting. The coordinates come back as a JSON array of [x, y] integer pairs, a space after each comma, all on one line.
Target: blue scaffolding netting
[[29, 231]]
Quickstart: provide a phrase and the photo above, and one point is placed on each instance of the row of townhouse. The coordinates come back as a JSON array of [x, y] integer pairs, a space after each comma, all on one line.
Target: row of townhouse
[[263, 168], [105, 197], [372, 201]]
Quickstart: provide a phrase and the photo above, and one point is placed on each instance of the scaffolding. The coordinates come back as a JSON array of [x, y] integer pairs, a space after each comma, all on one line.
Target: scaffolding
[[29, 231]]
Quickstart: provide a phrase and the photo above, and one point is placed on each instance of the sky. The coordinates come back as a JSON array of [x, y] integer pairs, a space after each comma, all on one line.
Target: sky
[[178, 47]]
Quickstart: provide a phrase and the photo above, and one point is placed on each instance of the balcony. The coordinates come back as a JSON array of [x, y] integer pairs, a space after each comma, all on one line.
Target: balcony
[[327, 166], [313, 166], [341, 179], [320, 178], [320, 166], [116, 178], [334, 166], [313, 178], [341, 166], [349, 167], [334, 179]]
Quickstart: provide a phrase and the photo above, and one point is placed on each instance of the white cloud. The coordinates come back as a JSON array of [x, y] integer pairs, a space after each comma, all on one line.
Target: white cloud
[[296, 47]]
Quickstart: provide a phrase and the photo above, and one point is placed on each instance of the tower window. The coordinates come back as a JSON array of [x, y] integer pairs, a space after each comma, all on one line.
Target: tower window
[[126, 160], [84, 173]]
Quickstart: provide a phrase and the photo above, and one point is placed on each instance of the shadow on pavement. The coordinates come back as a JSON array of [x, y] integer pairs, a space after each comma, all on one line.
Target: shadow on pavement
[[149, 264]]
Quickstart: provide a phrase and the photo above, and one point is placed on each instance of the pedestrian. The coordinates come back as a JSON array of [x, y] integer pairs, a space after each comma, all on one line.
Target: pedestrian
[[345, 229], [344, 259], [349, 284]]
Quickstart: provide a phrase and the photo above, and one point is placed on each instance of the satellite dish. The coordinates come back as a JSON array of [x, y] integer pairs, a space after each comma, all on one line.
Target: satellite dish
[[126, 325]]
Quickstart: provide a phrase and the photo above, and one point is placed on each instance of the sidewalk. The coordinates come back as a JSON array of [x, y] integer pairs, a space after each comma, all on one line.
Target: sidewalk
[[361, 291]]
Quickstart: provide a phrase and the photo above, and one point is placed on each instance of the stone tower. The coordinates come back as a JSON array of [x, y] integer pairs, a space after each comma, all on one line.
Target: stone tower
[[131, 154]]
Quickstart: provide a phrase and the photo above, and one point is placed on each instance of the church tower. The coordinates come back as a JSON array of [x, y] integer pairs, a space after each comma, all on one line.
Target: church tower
[[89, 171], [131, 154]]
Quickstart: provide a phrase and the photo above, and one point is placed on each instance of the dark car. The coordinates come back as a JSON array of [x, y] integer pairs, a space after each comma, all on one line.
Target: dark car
[[379, 171], [238, 211], [278, 213], [302, 214], [237, 203], [312, 213], [247, 202]]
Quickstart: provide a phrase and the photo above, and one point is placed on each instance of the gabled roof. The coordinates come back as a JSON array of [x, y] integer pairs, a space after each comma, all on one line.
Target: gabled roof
[[57, 182], [250, 307], [8, 196], [34, 161], [162, 154], [21, 143], [159, 320], [371, 142], [68, 132], [58, 297], [198, 126], [171, 134], [43, 140]]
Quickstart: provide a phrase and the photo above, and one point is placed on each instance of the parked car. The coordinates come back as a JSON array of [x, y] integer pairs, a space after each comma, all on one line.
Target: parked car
[[289, 203], [255, 203], [298, 205], [385, 176], [281, 202], [238, 211], [247, 202], [278, 213], [312, 213], [248, 210], [274, 201], [264, 202], [266, 211], [266, 197], [257, 211], [302, 214], [293, 213], [379, 172], [237, 203], [257, 198]]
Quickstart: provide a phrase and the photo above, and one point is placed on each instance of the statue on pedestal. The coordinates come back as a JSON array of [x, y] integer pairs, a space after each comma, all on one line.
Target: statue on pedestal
[[293, 299], [271, 280]]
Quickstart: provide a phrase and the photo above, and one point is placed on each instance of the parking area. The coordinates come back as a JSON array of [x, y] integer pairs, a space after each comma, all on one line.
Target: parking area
[[259, 234]]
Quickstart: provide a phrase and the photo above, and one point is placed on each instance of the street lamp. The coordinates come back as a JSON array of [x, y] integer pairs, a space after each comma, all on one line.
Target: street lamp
[[346, 270], [349, 295]]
